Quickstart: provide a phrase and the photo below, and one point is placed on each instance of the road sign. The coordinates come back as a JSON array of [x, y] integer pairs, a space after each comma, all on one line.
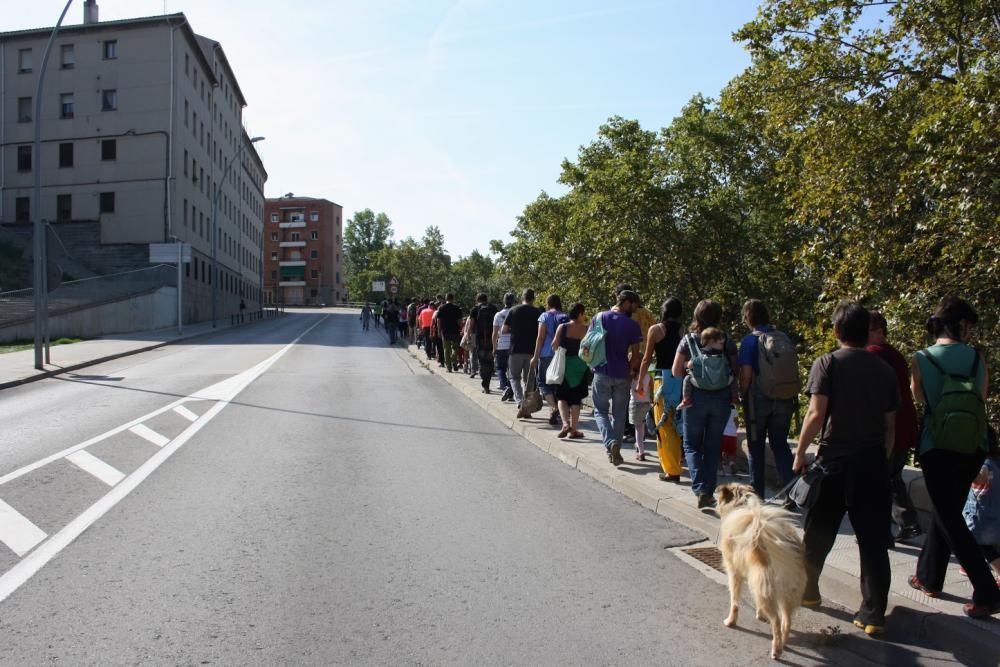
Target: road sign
[[393, 288], [394, 281], [166, 253], [378, 285]]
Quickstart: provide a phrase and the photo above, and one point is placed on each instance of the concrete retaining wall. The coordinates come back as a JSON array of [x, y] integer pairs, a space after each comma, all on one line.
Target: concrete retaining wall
[[156, 310]]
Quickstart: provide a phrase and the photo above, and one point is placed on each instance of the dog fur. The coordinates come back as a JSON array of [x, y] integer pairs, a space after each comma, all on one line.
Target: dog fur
[[761, 546]]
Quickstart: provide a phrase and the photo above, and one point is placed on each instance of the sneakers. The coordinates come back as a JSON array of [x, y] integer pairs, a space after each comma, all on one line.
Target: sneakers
[[706, 502], [615, 454], [508, 395], [871, 629], [909, 532], [554, 418], [812, 603]]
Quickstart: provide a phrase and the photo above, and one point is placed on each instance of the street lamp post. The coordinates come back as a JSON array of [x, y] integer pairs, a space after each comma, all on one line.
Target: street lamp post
[[215, 228], [40, 278]]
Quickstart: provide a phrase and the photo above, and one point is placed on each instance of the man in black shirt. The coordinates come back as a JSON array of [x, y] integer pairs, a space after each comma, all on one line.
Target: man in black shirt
[[449, 319], [481, 326], [522, 325]]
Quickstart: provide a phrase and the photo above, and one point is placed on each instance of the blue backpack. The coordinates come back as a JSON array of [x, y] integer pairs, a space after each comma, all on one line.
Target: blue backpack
[[708, 372], [592, 347]]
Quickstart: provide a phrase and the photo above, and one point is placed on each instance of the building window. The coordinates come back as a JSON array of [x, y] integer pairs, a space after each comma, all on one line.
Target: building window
[[24, 110], [314, 236], [111, 49], [314, 273], [22, 209], [64, 208], [67, 57], [65, 155], [274, 236], [296, 236], [274, 217], [24, 158], [274, 274], [314, 254], [338, 277], [66, 105], [109, 100], [274, 255], [109, 149], [24, 60], [107, 202], [314, 216], [185, 213], [187, 112]]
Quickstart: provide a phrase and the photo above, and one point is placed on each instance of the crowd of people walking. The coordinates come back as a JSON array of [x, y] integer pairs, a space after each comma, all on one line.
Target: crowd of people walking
[[683, 385]]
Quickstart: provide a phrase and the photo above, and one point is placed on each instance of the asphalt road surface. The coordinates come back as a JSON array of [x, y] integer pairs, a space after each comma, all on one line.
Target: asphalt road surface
[[295, 492]]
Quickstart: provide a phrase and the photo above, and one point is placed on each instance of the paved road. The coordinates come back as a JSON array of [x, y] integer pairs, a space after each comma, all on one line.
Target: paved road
[[324, 502]]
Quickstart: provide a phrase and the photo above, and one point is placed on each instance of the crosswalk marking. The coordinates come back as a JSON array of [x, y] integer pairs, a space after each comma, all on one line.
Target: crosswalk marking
[[17, 532], [187, 414], [89, 463], [149, 434]]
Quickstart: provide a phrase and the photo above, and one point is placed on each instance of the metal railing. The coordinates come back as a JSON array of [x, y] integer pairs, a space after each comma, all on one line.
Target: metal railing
[[18, 306]]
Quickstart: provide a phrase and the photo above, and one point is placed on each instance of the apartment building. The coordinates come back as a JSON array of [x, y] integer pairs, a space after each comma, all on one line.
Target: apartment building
[[141, 119], [303, 250]]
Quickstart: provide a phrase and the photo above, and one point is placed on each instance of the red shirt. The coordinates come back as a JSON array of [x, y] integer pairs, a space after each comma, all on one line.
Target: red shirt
[[906, 415]]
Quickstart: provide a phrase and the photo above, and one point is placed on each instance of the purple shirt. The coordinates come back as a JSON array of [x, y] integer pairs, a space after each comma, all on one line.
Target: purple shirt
[[622, 333]]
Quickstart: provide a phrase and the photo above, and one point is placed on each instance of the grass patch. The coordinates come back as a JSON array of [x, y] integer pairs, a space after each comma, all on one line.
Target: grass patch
[[20, 346]]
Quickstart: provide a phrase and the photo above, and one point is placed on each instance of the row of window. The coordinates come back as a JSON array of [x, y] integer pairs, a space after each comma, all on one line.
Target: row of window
[[314, 273], [313, 236], [64, 206], [67, 105], [202, 271], [67, 56], [109, 153], [314, 254], [313, 217], [201, 224]]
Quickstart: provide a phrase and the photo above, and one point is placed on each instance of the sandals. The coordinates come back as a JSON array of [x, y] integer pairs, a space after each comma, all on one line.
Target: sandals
[[564, 432], [916, 585], [639, 456], [576, 435]]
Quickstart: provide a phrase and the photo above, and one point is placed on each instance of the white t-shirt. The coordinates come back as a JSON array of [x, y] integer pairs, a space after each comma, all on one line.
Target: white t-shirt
[[503, 340]]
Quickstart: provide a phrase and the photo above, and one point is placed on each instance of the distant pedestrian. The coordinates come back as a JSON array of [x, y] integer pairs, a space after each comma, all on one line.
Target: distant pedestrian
[[904, 514], [366, 316], [411, 319], [548, 321], [662, 340], [501, 343], [379, 305], [711, 403], [853, 398], [449, 319], [769, 392], [392, 321], [426, 323], [577, 375], [522, 325], [481, 327], [950, 379], [610, 390]]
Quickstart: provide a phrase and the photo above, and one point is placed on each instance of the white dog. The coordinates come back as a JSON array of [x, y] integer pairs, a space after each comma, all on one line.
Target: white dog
[[760, 545]]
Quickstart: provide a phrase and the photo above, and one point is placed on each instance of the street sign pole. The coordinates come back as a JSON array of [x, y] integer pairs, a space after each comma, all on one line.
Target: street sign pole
[[180, 287]]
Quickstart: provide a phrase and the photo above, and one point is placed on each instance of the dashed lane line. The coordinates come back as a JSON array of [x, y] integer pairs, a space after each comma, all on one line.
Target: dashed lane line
[[87, 462], [47, 549], [187, 414], [149, 434], [17, 531]]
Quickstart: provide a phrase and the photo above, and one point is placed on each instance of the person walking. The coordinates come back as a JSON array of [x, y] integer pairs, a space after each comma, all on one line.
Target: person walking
[[711, 403], [662, 340], [904, 514], [379, 306], [645, 320], [548, 322], [610, 390], [573, 389], [501, 343], [853, 398], [449, 320], [411, 319], [951, 380], [522, 325], [481, 326], [426, 323], [768, 392], [982, 508], [391, 314], [366, 316]]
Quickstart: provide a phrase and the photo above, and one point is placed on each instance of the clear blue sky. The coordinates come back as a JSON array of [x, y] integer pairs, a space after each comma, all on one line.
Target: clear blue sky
[[441, 112]]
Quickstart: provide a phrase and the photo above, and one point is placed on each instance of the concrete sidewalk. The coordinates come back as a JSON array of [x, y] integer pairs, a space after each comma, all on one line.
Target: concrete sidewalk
[[911, 614], [18, 368]]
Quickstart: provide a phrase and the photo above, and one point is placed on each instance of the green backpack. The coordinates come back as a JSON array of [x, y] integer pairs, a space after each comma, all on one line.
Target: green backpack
[[708, 372], [957, 422]]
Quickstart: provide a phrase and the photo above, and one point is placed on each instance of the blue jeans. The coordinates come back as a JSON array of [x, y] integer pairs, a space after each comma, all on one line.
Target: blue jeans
[[503, 361], [614, 392], [768, 419], [543, 368], [704, 422], [393, 330]]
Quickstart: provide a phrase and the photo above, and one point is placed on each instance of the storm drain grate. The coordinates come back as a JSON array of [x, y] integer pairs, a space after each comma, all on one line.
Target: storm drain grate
[[710, 556]]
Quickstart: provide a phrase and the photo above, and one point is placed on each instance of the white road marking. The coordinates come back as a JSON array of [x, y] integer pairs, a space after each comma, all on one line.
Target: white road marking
[[87, 462], [17, 532], [187, 414], [147, 433], [26, 568]]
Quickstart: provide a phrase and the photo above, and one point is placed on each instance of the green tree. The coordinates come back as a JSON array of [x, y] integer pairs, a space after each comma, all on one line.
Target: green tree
[[365, 236]]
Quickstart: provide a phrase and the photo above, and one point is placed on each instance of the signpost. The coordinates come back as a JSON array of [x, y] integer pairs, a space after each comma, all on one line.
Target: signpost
[[393, 285], [378, 285], [173, 253]]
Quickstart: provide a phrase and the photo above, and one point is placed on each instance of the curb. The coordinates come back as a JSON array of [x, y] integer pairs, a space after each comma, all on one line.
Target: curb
[[111, 357], [973, 642]]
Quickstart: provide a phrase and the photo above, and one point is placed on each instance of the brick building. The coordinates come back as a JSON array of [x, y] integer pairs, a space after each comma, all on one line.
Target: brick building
[[303, 251]]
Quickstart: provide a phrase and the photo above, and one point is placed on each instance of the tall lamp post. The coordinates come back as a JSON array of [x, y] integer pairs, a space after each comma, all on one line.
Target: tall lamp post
[[40, 278], [215, 227]]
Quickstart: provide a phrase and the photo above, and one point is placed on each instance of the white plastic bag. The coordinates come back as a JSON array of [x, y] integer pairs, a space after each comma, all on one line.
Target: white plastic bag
[[557, 367]]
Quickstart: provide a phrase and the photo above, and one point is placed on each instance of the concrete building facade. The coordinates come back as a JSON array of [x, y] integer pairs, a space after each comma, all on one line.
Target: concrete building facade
[[303, 251], [140, 119]]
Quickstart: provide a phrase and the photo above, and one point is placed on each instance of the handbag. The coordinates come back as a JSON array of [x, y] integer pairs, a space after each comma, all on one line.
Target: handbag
[[556, 372], [532, 401], [805, 489]]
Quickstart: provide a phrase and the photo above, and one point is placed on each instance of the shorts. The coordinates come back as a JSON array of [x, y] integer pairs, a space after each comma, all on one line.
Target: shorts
[[637, 411]]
